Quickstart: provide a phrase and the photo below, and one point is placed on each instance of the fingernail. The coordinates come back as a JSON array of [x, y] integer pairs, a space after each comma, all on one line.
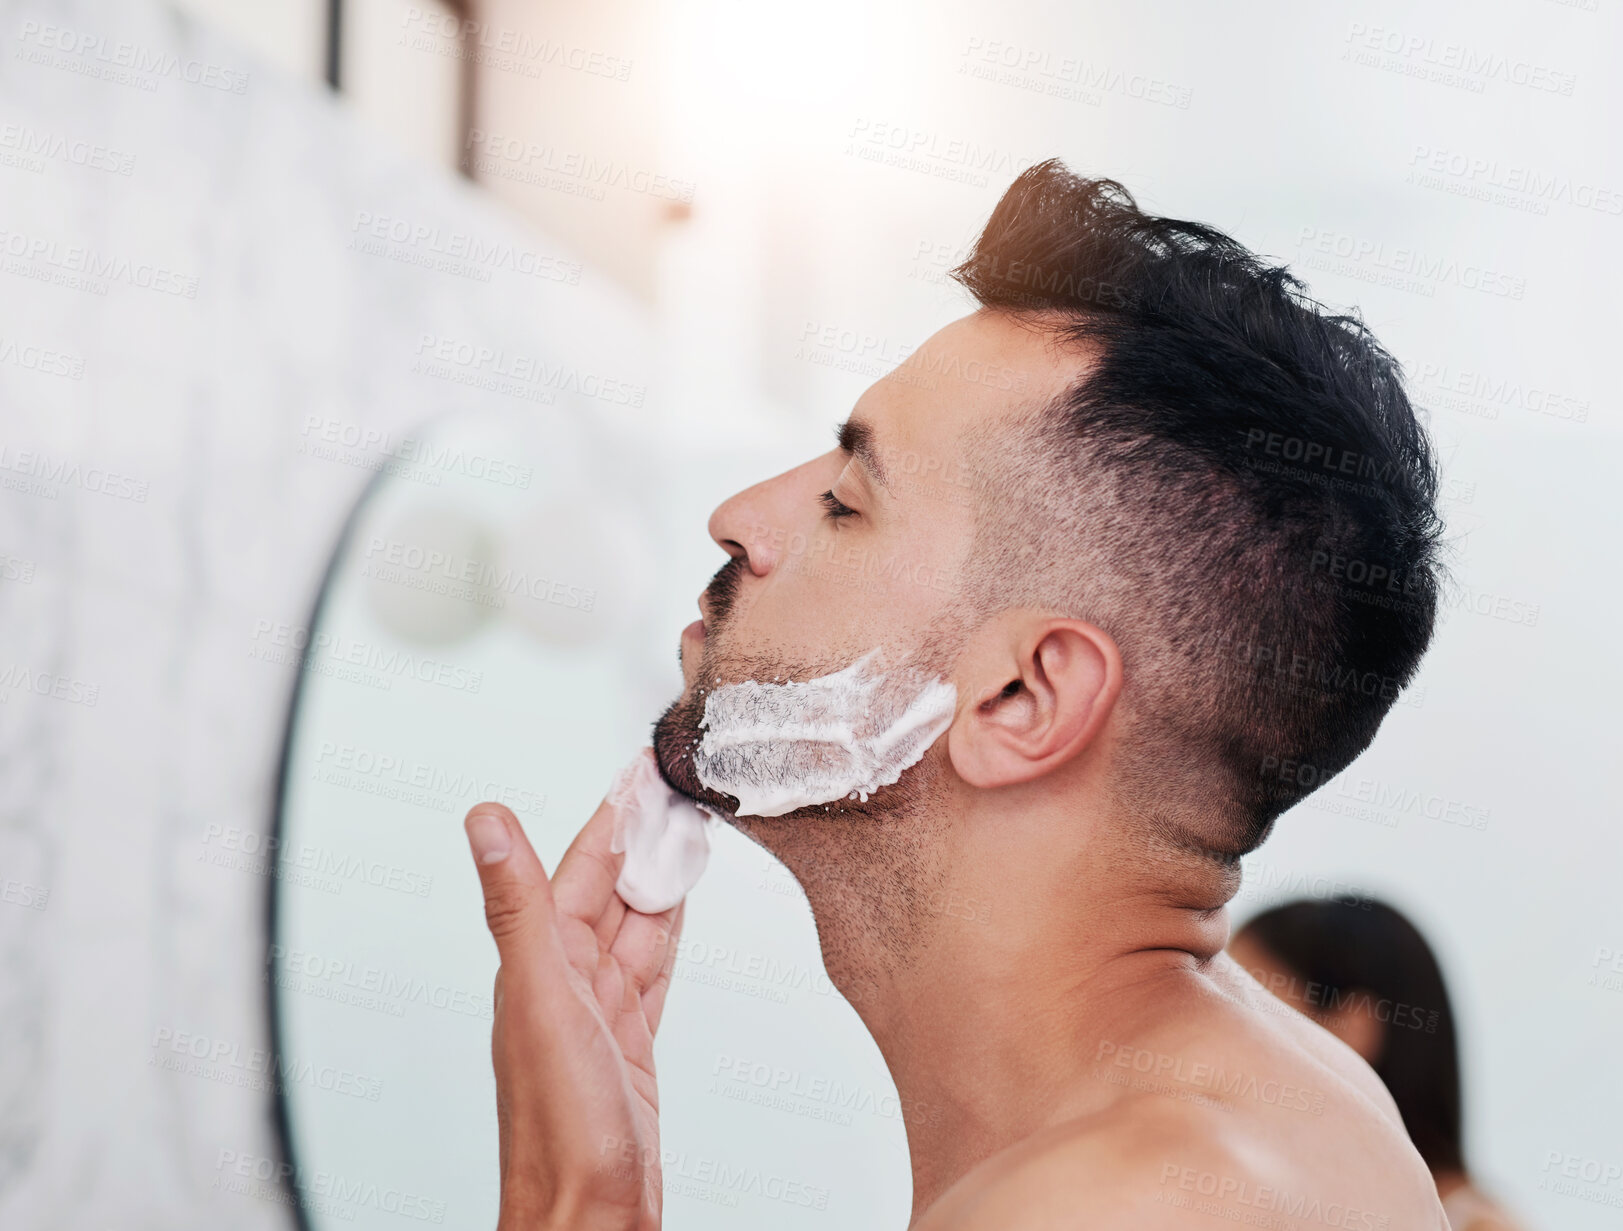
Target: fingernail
[[488, 838]]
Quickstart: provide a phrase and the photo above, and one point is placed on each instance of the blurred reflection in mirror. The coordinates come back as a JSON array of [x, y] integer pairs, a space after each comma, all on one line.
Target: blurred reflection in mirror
[[498, 623], [1361, 970]]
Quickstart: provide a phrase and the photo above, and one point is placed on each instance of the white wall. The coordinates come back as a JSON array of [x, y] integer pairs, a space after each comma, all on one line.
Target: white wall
[[399, 62], [210, 335]]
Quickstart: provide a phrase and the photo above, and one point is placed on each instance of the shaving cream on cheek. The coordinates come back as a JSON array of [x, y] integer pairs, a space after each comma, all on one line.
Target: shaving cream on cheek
[[778, 747], [664, 834]]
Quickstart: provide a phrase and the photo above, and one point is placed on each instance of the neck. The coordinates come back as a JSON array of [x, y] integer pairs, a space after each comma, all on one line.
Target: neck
[[992, 971]]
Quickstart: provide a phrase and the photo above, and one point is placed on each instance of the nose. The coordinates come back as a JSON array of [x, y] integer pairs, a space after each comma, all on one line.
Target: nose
[[758, 522], [741, 529]]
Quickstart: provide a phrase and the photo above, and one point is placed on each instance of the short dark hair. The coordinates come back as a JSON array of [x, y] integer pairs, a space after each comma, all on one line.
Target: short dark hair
[[1353, 950], [1236, 488]]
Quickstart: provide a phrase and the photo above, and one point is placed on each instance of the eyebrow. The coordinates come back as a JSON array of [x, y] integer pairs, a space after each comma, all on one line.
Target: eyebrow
[[856, 438]]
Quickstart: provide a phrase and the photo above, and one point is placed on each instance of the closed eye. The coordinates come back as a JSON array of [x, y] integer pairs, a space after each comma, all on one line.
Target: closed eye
[[835, 507]]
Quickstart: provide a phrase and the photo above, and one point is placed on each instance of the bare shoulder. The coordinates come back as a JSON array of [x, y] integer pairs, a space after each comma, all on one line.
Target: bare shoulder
[[1148, 1165], [1139, 1166], [1236, 1108], [1264, 1024]]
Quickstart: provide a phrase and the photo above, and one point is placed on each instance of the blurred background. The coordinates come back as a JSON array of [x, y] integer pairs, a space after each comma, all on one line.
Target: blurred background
[[367, 373]]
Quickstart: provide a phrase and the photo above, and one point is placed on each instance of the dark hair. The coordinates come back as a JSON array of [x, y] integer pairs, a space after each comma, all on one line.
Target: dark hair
[[1352, 945], [1236, 488]]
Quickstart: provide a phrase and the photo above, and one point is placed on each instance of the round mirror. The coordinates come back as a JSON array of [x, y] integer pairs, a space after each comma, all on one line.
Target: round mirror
[[500, 622]]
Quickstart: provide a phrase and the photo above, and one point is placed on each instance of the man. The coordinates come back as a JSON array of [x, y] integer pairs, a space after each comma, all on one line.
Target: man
[[1169, 530]]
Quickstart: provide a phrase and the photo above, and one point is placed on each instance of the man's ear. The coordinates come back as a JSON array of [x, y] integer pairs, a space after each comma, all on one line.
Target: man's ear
[[1040, 692]]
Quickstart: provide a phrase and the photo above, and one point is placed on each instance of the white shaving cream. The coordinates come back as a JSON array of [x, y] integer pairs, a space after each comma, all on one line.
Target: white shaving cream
[[778, 747], [664, 834]]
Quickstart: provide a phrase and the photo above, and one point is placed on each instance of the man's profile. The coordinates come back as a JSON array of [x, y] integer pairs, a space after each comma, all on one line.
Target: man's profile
[[1185, 561]]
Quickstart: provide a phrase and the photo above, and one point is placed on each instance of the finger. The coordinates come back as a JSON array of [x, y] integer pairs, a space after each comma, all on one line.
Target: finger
[[609, 986], [641, 945], [518, 900], [583, 886], [608, 923], [653, 999]]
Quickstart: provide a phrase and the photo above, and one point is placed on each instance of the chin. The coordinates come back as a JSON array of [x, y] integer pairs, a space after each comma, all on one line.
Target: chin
[[676, 735]]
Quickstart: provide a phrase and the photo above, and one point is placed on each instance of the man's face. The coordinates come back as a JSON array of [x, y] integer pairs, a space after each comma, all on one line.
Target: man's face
[[864, 547]]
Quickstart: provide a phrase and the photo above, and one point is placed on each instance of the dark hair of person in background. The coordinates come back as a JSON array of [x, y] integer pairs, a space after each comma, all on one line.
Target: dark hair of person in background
[[1350, 945]]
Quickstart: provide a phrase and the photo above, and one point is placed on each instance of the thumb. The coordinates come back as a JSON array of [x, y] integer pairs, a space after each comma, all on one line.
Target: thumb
[[518, 898]]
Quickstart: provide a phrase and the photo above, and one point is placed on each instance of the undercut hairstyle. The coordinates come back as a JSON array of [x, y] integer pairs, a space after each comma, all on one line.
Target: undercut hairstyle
[[1236, 488]]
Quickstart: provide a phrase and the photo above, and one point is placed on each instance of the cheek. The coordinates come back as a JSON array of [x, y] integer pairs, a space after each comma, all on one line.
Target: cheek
[[844, 586]]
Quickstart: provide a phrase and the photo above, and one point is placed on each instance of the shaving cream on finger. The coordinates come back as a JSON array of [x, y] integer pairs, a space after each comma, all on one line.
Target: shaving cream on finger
[[665, 837], [778, 747]]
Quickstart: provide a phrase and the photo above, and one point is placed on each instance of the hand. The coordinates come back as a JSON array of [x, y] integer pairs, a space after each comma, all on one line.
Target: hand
[[578, 997]]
